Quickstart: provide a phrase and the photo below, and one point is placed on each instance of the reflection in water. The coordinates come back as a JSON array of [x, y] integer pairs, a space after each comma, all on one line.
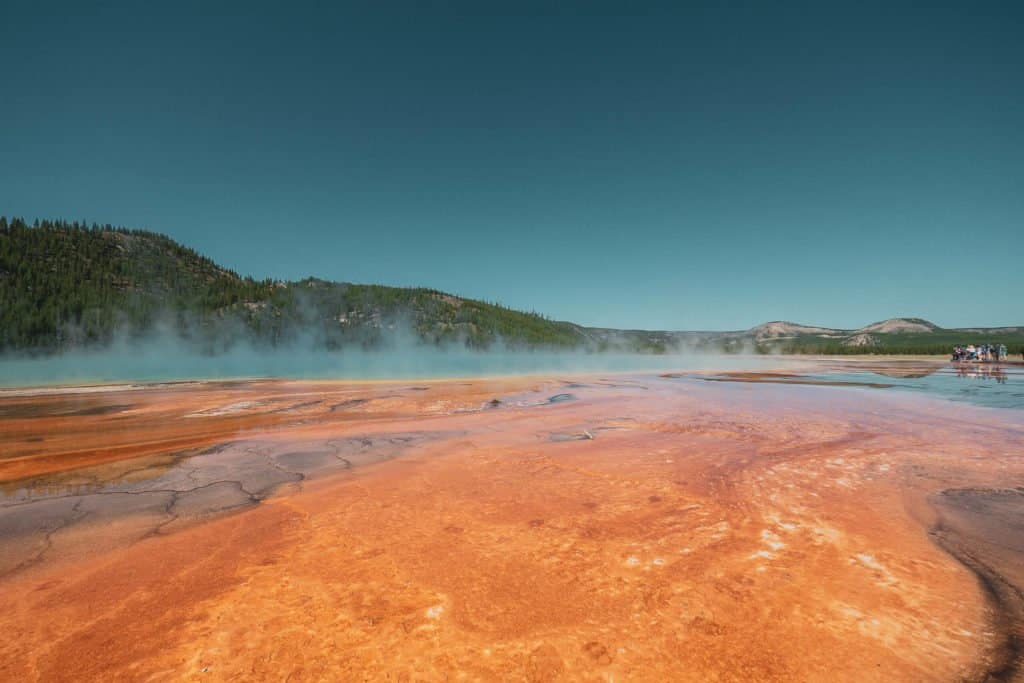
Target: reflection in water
[[979, 371], [942, 381], [960, 382]]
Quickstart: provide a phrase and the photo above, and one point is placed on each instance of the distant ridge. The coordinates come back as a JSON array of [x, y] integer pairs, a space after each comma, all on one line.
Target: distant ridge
[[900, 326], [895, 335], [782, 328], [70, 285]]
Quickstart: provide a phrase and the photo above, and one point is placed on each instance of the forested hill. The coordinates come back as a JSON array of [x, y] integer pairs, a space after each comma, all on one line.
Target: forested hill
[[68, 285]]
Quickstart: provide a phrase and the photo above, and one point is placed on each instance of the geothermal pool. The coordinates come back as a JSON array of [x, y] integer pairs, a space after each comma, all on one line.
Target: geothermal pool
[[831, 521]]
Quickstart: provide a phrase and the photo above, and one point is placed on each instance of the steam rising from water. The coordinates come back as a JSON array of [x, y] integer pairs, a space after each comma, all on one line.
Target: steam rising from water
[[165, 357]]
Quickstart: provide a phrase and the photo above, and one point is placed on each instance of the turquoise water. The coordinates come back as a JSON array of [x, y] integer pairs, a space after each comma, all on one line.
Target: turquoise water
[[987, 385], [151, 364]]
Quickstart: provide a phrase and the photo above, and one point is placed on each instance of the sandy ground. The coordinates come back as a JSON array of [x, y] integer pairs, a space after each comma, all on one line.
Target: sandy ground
[[607, 528]]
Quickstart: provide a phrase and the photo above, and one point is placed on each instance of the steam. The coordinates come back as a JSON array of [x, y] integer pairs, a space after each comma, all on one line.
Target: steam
[[397, 352]]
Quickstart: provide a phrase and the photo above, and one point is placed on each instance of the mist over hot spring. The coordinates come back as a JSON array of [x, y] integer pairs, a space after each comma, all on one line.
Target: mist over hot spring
[[399, 353]]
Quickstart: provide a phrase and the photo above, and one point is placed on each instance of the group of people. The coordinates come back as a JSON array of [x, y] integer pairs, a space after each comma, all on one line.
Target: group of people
[[982, 352]]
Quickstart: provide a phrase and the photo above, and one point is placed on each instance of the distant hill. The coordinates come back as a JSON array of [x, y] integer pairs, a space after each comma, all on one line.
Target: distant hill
[[899, 326], [65, 285], [68, 285], [779, 329], [893, 336]]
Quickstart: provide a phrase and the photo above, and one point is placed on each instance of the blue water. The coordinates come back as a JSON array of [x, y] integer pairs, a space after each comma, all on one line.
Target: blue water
[[985, 385]]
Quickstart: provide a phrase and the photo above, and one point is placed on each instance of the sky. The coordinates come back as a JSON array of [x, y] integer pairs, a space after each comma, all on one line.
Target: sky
[[635, 165]]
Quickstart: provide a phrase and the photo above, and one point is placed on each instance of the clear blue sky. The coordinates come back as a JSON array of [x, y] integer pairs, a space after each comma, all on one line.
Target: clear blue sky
[[679, 166]]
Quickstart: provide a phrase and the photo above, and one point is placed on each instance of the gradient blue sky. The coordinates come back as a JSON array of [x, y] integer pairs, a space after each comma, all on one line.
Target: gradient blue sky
[[665, 166]]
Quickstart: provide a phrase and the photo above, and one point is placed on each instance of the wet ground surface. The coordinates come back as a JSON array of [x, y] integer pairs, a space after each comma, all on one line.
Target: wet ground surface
[[162, 493], [761, 526], [983, 528]]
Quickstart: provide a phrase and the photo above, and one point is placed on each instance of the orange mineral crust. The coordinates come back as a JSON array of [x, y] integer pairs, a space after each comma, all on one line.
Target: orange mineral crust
[[539, 529]]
